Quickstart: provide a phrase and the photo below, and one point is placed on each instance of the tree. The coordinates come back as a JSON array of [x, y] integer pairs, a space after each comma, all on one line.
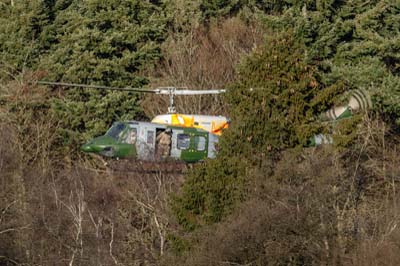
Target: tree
[[221, 8], [23, 34], [272, 106], [356, 42], [104, 43]]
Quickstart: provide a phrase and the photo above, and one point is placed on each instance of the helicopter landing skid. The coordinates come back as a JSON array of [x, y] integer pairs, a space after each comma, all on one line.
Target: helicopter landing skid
[[139, 166]]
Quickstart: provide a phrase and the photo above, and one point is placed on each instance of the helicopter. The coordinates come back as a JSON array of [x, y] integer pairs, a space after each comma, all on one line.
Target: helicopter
[[189, 138], [192, 138], [141, 140]]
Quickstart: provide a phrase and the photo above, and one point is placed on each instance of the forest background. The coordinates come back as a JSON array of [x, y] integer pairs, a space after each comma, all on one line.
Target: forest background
[[265, 199]]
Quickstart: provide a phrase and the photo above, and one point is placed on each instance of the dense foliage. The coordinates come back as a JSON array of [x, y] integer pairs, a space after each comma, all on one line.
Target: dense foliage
[[273, 105], [330, 47], [265, 199], [94, 42]]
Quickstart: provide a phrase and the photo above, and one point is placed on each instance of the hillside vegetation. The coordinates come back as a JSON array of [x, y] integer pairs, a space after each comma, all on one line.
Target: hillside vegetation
[[265, 199]]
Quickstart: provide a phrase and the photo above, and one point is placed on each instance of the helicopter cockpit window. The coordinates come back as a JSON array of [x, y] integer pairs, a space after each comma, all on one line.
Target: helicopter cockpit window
[[200, 143], [116, 130], [183, 141]]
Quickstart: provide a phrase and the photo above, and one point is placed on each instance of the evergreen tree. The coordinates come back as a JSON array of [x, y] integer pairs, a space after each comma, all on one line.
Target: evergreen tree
[[356, 42], [217, 8], [103, 43], [272, 105], [222, 8], [22, 34]]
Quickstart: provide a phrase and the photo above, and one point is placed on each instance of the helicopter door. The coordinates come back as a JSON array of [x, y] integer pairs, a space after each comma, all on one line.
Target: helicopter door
[[176, 143], [146, 144], [197, 149]]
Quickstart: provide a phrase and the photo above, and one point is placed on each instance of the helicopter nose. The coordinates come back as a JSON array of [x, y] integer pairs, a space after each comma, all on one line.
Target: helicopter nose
[[87, 148]]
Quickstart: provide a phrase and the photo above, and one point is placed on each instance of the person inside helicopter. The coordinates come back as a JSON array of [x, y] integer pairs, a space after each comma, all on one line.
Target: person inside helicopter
[[163, 142], [132, 136]]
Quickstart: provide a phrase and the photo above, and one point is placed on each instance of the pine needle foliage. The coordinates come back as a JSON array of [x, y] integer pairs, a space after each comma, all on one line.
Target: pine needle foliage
[[103, 43], [356, 42], [273, 101], [91, 42], [22, 34], [273, 106]]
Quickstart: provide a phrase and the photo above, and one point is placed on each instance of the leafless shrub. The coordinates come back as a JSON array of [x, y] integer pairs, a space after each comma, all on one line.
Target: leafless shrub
[[78, 216], [144, 208], [289, 219], [27, 110], [378, 213], [55, 211], [377, 243], [12, 196]]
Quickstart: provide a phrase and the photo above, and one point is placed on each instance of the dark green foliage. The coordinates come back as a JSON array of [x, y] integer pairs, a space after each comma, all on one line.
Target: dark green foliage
[[91, 42], [357, 42], [276, 101], [345, 132], [21, 26], [104, 43], [210, 192], [216, 8], [85, 115], [223, 8], [387, 98], [277, 113]]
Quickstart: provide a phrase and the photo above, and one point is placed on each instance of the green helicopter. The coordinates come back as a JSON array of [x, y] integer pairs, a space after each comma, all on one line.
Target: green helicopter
[[161, 140], [143, 140], [153, 141]]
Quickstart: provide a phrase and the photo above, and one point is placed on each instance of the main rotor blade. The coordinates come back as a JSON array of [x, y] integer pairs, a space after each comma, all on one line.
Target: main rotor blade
[[162, 90], [190, 92], [95, 87]]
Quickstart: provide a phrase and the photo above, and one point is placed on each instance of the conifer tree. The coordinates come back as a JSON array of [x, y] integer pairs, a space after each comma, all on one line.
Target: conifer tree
[[103, 43], [221, 8], [356, 42], [273, 106], [22, 37]]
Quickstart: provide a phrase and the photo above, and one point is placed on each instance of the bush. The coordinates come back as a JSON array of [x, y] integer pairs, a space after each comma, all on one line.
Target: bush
[[317, 206], [277, 114]]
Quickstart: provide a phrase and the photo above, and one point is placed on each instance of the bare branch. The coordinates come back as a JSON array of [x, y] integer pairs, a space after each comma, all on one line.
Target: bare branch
[[5, 209], [111, 243], [14, 229], [160, 233]]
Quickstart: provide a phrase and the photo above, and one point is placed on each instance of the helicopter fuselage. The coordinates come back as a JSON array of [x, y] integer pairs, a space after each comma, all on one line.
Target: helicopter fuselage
[[141, 140]]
